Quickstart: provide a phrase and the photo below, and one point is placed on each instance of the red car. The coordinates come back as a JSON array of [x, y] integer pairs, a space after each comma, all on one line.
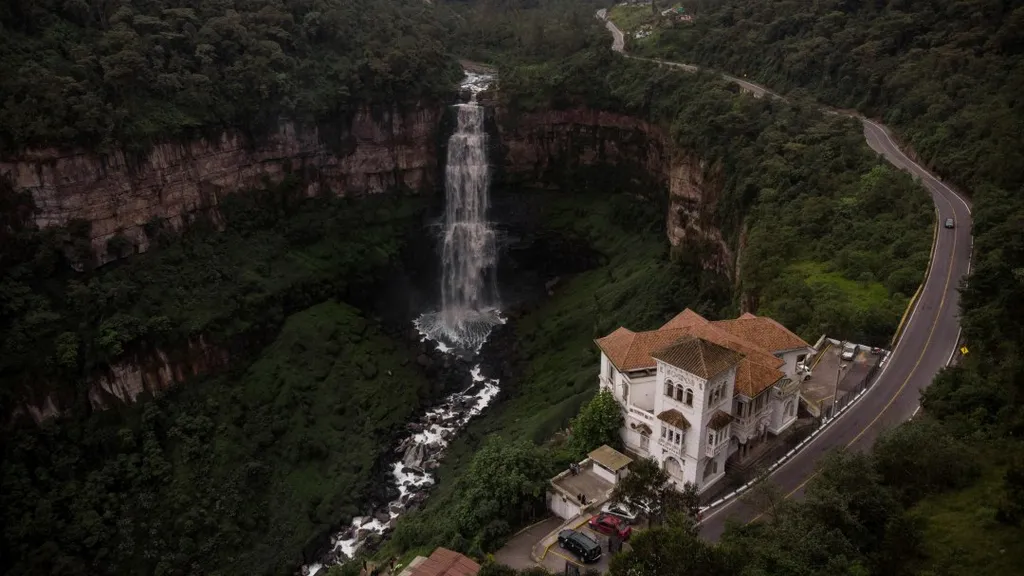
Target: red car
[[610, 525]]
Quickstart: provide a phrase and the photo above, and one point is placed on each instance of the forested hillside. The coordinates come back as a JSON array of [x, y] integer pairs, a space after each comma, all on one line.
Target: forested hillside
[[93, 72], [948, 77]]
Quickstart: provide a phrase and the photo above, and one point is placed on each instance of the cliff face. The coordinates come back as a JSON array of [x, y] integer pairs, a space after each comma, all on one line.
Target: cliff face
[[374, 154], [175, 182], [548, 147], [147, 371]]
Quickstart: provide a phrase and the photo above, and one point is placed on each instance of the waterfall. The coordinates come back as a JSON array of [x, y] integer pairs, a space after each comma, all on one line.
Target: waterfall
[[468, 312], [468, 292]]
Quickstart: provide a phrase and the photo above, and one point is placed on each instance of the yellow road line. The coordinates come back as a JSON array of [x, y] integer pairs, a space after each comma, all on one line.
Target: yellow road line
[[820, 355], [548, 547], [928, 269], [942, 303], [567, 559]]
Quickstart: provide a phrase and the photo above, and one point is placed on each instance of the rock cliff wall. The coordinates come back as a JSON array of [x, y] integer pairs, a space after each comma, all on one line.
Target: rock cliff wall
[[549, 147], [175, 182]]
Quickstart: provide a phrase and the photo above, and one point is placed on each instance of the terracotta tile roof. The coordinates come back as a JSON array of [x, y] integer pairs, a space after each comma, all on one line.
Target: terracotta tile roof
[[719, 420], [675, 418], [753, 378], [755, 337], [712, 333], [632, 350], [610, 458], [684, 319], [699, 357], [762, 332], [444, 562]]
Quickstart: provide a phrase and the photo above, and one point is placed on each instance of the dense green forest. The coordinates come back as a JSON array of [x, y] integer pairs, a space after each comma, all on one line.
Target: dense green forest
[[240, 472], [834, 239], [230, 474], [946, 77], [278, 254], [99, 72]]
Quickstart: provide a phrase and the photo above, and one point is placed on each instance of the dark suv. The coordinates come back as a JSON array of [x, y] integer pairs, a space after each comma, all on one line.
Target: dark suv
[[583, 546]]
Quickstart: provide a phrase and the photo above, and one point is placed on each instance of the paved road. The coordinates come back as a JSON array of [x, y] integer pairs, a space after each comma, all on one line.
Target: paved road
[[929, 338]]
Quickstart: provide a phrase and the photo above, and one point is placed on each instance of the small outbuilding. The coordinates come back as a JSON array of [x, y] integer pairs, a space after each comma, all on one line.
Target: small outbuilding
[[609, 463], [587, 485]]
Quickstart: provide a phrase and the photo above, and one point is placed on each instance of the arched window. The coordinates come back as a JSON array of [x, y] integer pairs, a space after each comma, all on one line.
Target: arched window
[[679, 393], [689, 397], [669, 388], [789, 408]]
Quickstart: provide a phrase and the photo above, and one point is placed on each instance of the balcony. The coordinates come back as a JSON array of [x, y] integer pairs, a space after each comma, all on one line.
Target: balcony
[[670, 448], [712, 451], [641, 414]]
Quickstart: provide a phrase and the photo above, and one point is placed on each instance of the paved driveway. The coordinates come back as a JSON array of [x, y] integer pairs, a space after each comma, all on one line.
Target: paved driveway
[[556, 559], [516, 553]]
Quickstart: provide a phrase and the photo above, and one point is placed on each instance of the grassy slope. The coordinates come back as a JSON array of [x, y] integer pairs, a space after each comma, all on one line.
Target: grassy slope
[[962, 537]]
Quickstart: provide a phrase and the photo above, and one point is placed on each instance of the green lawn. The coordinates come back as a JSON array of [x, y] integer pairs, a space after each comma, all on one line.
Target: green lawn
[[962, 536], [629, 18]]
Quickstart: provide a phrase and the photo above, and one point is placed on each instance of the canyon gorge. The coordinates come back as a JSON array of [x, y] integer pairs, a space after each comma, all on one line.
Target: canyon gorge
[[120, 194]]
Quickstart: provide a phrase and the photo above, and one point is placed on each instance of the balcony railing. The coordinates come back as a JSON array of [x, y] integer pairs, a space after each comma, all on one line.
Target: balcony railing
[[712, 451], [641, 414], [670, 448]]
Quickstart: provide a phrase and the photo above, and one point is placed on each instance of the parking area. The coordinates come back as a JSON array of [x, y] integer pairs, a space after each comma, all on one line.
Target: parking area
[[831, 376], [556, 558], [516, 553]]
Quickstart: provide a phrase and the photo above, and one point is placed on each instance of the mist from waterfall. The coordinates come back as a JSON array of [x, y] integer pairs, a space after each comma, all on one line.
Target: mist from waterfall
[[469, 295]]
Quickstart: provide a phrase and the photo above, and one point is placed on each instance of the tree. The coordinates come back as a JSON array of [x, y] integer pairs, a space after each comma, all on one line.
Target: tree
[[670, 550], [647, 489], [598, 423], [503, 487], [921, 457]]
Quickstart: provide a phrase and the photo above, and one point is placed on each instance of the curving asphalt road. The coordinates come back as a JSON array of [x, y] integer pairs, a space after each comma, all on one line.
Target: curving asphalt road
[[929, 339]]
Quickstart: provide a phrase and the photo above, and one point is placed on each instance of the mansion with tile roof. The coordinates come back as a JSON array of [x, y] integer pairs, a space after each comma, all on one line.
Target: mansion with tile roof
[[697, 392]]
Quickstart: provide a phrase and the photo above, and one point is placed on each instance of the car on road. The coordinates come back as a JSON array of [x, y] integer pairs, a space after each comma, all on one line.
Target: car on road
[[610, 525], [584, 547], [849, 351], [622, 511], [949, 223]]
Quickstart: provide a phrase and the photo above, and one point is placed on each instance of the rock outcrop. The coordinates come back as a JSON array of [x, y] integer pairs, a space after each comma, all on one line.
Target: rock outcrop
[[144, 372], [548, 147], [118, 193]]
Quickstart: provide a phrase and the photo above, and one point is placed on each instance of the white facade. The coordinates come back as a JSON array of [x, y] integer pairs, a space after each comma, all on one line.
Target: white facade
[[695, 451]]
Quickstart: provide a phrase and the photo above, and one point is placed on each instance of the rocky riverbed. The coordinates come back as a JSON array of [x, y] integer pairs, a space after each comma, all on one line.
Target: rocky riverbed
[[416, 457]]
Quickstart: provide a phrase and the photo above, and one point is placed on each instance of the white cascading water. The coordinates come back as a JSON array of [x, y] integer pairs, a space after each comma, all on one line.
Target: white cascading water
[[468, 293], [467, 315]]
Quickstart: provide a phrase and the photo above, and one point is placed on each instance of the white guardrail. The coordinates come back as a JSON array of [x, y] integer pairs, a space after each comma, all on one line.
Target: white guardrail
[[824, 424]]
